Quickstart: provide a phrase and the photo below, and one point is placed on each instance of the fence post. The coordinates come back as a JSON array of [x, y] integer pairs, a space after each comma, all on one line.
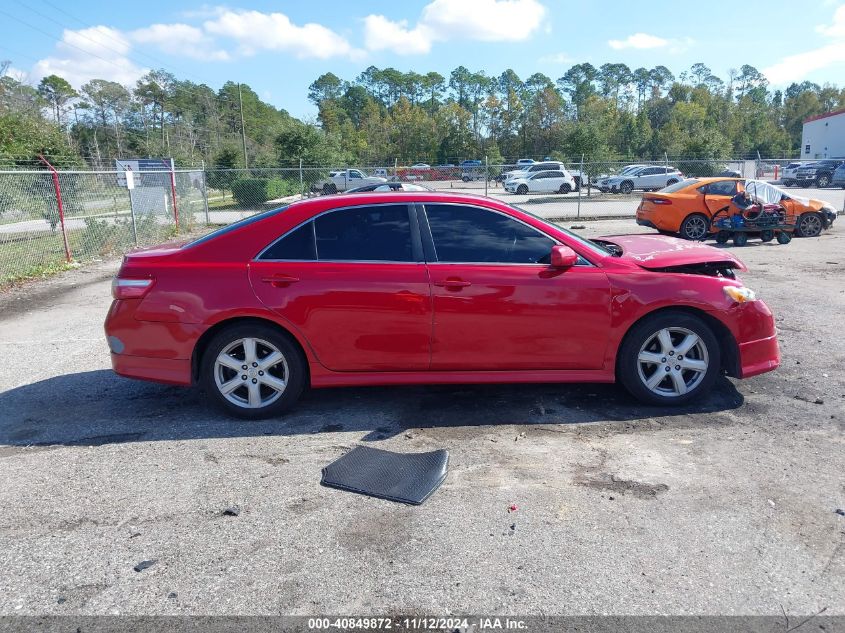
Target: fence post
[[173, 193], [666, 161], [581, 184], [486, 173], [205, 194], [131, 205], [301, 182], [58, 188]]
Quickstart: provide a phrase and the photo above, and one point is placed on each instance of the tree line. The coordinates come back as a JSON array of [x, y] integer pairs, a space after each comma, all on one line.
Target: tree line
[[385, 115]]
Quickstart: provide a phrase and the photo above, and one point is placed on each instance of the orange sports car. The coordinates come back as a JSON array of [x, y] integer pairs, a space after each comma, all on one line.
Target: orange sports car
[[687, 207]]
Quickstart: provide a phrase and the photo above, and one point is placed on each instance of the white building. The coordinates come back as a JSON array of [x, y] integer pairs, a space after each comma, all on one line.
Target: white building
[[824, 136]]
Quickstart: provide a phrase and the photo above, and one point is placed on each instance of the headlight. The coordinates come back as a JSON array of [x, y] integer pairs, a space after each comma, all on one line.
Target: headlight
[[740, 294]]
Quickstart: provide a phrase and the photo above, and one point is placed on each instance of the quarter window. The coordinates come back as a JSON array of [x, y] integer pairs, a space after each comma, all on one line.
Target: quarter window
[[470, 234], [299, 244]]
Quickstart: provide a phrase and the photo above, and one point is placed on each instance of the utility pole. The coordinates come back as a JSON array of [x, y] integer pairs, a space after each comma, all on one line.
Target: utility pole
[[243, 129]]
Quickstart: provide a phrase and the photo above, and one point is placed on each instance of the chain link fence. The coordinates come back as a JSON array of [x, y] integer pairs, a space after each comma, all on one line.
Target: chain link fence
[[103, 213]]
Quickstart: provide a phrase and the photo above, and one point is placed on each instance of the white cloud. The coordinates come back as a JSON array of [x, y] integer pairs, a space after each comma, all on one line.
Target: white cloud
[[381, 33], [254, 31], [639, 41], [443, 20], [98, 52], [793, 68], [181, 40], [837, 29], [556, 58]]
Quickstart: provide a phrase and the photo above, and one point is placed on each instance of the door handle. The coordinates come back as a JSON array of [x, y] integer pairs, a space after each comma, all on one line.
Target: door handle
[[280, 281], [453, 283]]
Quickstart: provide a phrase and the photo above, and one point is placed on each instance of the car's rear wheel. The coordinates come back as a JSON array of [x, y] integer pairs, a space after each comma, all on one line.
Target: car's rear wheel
[[695, 227], [823, 181], [522, 190], [809, 225], [669, 358], [626, 187], [253, 371], [564, 188]]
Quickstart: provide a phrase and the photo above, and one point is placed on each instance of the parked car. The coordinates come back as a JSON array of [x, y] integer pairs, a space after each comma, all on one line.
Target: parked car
[[838, 179], [535, 167], [472, 170], [687, 207], [344, 179], [789, 175], [389, 186], [819, 173], [343, 291], [557, 181], [524, 162], [628, 169], [421, 166], [649, 178]]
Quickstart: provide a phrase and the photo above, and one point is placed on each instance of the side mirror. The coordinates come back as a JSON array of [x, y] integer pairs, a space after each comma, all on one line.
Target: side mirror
[[563, 257]]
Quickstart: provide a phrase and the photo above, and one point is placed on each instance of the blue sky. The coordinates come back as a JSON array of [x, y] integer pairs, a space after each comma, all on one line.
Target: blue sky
[[279, 48]]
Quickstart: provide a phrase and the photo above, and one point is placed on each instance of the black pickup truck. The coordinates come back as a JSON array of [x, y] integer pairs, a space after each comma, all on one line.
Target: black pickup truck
[[819, 173]]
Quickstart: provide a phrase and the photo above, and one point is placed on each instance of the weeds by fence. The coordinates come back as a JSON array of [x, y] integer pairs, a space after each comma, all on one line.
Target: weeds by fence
[[109, 212]]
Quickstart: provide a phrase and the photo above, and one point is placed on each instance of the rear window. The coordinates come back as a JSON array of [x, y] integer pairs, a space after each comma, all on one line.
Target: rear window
[[235, 226], [689, 182]]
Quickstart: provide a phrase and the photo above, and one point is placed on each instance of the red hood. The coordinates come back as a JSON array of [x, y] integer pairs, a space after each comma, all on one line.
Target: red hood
[[660, 251]]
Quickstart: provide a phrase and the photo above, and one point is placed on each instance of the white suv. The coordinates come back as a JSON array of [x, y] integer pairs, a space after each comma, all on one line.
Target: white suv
[[549, 181], [649, 178]]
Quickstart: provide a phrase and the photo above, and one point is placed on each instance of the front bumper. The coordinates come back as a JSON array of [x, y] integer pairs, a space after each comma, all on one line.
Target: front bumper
[[756, 337]]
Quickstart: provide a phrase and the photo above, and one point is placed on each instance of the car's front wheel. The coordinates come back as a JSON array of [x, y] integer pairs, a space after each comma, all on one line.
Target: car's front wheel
[[522, 190], [809, 225], [253, 371], [626, 187], [669, 358]]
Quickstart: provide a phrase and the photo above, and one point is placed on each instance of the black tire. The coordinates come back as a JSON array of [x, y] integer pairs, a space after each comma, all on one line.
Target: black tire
[[695, 227], [465, 178], [804, 183], [293, 368], [767, 235], [788, 183], [740, 239], [784, 237], [822, 181], [522, 190], [632, 376], [626, 187], [722, 237], [809, 225], [564, 188]]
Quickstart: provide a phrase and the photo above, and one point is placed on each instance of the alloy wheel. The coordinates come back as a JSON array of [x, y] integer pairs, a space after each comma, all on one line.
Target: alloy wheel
[[672, 362], [251, 373]]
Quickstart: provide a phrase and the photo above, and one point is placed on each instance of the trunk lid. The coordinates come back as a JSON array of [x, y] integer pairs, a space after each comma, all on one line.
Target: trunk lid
[[661, 252]]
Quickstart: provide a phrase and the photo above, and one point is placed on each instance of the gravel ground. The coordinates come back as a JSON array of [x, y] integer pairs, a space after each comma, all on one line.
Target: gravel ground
[[727, 507]]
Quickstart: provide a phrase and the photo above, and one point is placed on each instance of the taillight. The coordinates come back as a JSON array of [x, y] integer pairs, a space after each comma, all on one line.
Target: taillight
[[130, 288], [657, 200]]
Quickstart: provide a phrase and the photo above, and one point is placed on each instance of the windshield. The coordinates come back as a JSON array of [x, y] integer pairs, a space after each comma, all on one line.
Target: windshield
[[764, 192], [594, 248]]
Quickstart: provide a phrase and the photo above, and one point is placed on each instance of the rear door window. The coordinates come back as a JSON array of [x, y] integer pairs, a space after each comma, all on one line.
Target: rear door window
[[375, 233]]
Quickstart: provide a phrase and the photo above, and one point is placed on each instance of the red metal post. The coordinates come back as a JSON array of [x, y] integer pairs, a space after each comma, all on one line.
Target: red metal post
[[173, 192], [57, 187]]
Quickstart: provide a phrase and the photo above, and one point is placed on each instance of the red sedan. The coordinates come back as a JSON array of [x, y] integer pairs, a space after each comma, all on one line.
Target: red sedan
[[417, 287]]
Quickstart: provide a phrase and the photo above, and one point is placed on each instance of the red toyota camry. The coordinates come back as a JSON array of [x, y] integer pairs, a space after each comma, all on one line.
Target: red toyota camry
[[418, 287]]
